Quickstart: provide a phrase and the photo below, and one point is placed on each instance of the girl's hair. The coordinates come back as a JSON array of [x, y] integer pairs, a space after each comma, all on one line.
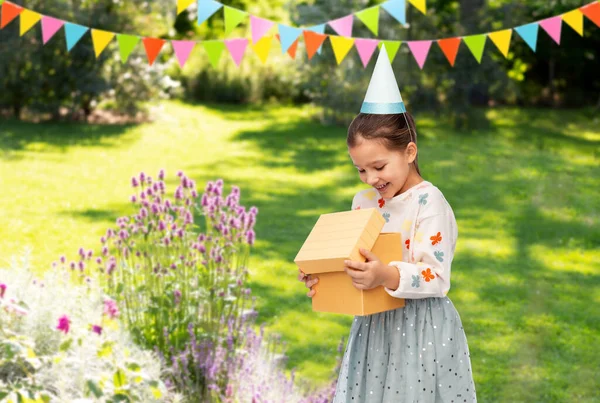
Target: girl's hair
[[394, 131]]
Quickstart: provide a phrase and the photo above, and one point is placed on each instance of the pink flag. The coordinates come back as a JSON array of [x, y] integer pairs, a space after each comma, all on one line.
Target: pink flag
[[343, 26], [420, 50], [183, 50], [50, 26], [259, 27], [365, 48], [552, 26], [237, 48]]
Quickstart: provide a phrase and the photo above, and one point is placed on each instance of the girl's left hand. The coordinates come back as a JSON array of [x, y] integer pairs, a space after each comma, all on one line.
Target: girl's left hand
[[371, 273]]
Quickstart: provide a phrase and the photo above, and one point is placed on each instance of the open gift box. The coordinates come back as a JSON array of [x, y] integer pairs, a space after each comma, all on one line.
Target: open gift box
[[337, 237]]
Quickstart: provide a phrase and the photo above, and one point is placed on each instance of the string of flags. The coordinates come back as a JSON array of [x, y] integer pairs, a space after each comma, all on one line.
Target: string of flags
[[313, 39], [260, 26]]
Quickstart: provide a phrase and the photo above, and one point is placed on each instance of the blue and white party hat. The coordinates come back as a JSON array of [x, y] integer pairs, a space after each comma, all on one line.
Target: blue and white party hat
[[383, 95]]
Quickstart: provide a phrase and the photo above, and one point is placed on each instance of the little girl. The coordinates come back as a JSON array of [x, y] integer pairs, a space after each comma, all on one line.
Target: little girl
[[418, 353]]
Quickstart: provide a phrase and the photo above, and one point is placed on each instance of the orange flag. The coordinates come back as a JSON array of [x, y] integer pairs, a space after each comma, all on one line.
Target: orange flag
[[313, 42], [591, 11], [293, 48], [9, 12], [153, 47], [450, 48]]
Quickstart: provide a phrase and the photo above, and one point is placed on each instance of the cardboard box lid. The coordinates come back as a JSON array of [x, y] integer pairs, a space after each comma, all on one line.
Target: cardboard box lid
[[339, 235]]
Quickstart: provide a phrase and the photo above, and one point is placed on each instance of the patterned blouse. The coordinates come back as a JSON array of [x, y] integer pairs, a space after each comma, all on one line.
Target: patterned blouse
[[429, 232]]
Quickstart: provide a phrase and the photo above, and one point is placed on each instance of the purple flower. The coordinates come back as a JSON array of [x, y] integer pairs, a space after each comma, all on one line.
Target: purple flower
[[2, 290], [177, 297], [179, 174], [99, 260], [96, 329], [81, 266], [105, 251], [90, 254], [134, 182], [144, 212], [162, 226], [63, 324], [133, 199], [110, 308], [142, 177], [250, 237], [161, 174], [63, 259]]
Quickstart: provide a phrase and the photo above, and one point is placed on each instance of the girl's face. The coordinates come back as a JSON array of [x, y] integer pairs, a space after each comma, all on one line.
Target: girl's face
[[388, 171]]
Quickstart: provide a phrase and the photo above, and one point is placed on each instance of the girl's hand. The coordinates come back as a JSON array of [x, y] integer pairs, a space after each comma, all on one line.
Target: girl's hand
[[309, 281], [372, 273]]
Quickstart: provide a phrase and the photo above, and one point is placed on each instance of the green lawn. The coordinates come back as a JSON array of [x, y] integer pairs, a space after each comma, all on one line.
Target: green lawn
[[524, 188]]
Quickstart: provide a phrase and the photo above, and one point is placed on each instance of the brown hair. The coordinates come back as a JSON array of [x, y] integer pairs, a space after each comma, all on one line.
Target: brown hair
[[395, 131]]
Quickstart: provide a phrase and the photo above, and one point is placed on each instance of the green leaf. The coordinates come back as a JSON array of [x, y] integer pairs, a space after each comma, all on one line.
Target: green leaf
[[120, 288], [119, 379], [121, 397], [106, 349], [94, 388], [132, 366], [65, 345]]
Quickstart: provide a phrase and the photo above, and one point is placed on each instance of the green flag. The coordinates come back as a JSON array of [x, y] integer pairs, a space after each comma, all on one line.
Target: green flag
[[233, 17], [126, 45], [476, 43], [370, 17], [391, 47], [214, 50]]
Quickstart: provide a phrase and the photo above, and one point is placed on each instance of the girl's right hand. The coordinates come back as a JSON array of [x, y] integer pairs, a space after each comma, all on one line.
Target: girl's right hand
[[309, 282]]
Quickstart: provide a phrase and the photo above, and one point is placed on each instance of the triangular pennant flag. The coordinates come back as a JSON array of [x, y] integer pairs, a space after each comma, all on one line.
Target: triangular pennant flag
[[342, 26], [233, 18], [553, 26], [263, 47], [370, 17], [365, 48], [259, 27], [292, 50], [206, 8], [575, 20], [391, 48], [182, 5], [319, 29], [529, 33], [183, 49], [397, 9], [592, 12], [153, 47], [101, 39], [450, 48], [214, 49], [126, 45], [476, 44], [419, 5], [73, 33], [28, 20], [313, 42], [288, 36], [502, 40], [50, 27], [420, 50], [10, 11], [237, 49], [341, 46]]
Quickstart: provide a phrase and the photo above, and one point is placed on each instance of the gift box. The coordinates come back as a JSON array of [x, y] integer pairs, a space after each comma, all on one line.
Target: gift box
[[337, 237]]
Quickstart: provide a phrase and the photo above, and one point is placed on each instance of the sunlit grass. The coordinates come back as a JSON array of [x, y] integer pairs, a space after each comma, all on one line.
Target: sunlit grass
[[524, 188]]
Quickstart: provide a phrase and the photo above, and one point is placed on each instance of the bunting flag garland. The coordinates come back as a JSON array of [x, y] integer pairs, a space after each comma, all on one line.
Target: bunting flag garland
[[341, 46], [153, 47], [370, 17], [289, 37], [50, 26], [28, 20], [183, 5], [397, 9], [449, 48], [126, 45], [365, 49], [101, 39], [419, 5]]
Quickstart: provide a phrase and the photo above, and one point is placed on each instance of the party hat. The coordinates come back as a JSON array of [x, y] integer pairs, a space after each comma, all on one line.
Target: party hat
[[383, 95]]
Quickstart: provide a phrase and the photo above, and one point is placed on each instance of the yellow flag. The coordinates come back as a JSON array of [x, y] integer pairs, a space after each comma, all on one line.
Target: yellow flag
[[101, 39], [263, 47], [28, 20], [341, 46], [502, 40], [575, 20], [420, 5], [182, 5]]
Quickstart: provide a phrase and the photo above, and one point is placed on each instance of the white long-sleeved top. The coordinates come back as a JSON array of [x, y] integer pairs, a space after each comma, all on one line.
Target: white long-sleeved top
[[429, 232]]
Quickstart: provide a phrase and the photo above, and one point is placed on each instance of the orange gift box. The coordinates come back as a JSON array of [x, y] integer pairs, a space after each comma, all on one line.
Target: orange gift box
[[337, 237]]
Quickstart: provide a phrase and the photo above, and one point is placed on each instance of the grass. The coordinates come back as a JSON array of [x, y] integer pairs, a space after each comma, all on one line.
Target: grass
[[524, 188]]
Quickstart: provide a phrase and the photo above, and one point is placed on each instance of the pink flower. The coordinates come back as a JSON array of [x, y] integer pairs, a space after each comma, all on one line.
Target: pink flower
[[96, 329], [2, 290], [134, 182], [63, 259], [63, 324], [177, 296], [110, 308], [161, 174], [133, 199], [250, 237]]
